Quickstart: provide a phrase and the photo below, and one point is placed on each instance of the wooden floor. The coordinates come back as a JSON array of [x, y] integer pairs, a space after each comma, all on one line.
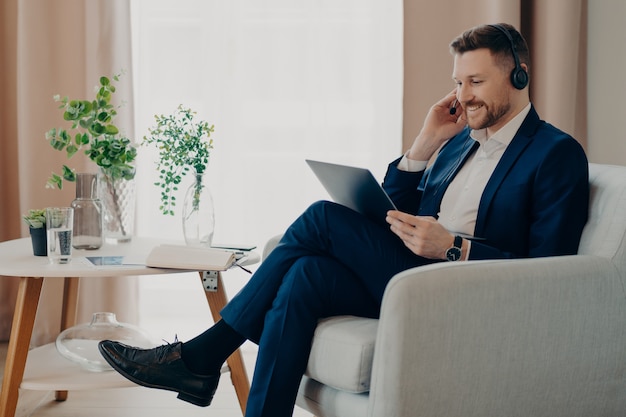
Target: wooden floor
[[132, 402]]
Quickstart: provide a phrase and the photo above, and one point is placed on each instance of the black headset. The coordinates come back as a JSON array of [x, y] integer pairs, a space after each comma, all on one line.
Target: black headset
[[519, 76]]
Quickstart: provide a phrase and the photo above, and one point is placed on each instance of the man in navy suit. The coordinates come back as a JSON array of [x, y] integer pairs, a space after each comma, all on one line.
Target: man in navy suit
[[504, 184]]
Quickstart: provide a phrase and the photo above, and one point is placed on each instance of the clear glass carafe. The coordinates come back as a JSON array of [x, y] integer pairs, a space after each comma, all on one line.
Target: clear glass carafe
[[87, 232]]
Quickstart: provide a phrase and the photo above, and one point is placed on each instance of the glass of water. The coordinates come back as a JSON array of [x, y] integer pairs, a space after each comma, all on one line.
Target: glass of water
[[59, 223]]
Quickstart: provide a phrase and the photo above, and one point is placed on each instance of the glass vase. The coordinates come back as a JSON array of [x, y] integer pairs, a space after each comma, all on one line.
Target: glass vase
[[198, 213], [118, 202], [79, 343]]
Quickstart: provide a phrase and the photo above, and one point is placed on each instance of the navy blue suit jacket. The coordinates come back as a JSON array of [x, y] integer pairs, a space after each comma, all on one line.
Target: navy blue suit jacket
[[535, 203]]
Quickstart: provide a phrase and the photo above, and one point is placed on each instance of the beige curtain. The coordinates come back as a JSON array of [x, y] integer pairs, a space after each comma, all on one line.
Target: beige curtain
[[56, 47], [558, 42], [556, 31], [10, 227]]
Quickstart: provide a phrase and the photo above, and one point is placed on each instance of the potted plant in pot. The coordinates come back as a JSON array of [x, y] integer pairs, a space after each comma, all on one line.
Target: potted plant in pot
[[36, 221], [184, 146], [94, 133]]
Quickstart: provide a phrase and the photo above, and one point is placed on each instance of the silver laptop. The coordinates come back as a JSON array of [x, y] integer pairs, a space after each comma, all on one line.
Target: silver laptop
[[355, 188]]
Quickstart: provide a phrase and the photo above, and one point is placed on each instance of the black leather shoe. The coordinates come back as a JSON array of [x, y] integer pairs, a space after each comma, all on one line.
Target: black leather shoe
[[160, 367]]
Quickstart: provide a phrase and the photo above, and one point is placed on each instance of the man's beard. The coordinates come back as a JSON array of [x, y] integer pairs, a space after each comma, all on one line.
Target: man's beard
[[493, 116]]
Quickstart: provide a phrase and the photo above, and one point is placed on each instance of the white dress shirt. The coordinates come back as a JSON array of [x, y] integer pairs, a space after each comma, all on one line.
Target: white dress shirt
[[459, 206]]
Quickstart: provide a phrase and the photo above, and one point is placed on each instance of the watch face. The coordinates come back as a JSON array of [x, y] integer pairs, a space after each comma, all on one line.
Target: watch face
[[453, 254]]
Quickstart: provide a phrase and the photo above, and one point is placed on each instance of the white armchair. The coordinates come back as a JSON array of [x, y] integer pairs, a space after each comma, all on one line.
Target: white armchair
[[532, 337]]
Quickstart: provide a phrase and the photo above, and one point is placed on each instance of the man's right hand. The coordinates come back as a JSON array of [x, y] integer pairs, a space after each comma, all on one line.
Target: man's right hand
[[439, 126]]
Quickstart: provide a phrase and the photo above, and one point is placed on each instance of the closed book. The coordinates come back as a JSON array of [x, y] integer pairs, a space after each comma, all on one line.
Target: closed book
[[190, 257]]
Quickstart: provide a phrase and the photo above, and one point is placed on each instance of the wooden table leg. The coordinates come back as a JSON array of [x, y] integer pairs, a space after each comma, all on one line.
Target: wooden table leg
[[217, 300], [68, 315], [19, 341]]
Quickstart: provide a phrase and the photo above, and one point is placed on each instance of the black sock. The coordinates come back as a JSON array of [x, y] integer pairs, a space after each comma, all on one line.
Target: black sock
[[206, 353]]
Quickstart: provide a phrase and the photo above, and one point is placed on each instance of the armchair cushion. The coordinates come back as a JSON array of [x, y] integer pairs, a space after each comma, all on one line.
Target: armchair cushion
[[342, 353]]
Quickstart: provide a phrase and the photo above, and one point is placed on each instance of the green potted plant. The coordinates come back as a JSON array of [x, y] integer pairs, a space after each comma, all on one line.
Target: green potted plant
[[36, 221], [94, 133], [184, 146]]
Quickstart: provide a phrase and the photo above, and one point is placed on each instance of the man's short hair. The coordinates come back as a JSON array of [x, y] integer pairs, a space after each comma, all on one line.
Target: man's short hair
[[490, 37]]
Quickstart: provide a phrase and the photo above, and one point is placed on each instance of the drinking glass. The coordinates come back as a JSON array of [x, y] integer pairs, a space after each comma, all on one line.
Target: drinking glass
[[59, 223]]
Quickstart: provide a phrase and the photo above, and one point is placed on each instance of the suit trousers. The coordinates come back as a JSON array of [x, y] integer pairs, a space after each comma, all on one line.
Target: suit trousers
[[331, 261]]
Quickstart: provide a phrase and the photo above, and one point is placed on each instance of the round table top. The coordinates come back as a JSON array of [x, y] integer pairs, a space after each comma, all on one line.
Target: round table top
[[17, 260]]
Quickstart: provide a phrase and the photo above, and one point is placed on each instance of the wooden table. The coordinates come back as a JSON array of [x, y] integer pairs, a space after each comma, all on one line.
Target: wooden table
[[46, 369]]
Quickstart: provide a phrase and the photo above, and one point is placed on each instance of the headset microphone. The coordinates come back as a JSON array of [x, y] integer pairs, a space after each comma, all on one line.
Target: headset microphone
[[453, 108]]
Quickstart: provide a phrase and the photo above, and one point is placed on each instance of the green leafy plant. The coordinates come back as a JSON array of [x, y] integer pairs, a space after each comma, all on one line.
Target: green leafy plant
[[93, 132], [184, 144], [36, 218]]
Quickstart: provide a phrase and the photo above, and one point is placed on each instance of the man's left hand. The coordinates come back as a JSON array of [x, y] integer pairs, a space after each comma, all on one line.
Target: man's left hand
[[423, 235]]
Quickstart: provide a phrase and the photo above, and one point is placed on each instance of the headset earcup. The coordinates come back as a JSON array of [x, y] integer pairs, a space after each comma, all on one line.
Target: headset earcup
[[519, 78]]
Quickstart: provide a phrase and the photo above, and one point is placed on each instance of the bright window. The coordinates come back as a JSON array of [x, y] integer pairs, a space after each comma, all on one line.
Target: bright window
[[281, 81]]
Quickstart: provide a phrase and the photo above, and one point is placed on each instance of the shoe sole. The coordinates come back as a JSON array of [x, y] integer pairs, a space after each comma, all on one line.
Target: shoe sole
[[184, 396]]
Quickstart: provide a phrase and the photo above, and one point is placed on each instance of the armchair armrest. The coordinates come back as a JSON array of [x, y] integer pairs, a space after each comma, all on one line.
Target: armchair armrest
[[540, 337], [270, 245]]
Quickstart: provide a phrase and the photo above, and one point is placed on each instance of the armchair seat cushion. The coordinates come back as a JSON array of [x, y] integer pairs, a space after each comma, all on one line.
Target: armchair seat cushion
[[342, 353]]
